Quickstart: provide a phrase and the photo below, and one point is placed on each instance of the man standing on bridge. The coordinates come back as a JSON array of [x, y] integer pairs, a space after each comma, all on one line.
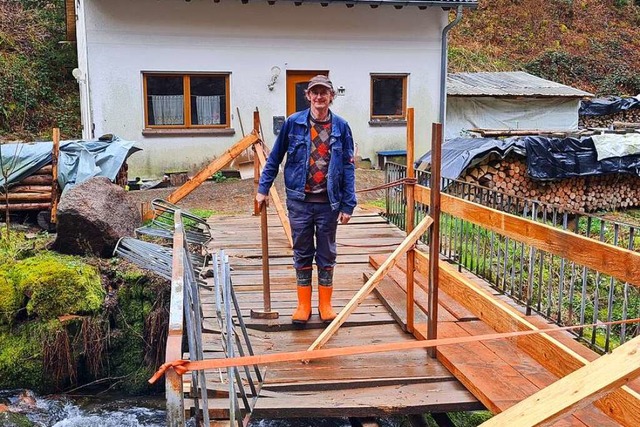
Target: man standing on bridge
[[319, 176]]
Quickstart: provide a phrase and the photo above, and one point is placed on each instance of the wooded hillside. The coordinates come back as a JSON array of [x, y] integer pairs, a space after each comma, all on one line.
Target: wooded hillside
[[593, 45]]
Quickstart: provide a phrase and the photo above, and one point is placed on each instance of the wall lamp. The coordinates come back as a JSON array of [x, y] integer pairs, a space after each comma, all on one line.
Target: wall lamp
[[275, 73]]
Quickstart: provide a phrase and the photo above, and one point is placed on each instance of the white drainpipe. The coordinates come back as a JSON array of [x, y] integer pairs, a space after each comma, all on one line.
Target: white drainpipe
[[81, 73], [443, 66]]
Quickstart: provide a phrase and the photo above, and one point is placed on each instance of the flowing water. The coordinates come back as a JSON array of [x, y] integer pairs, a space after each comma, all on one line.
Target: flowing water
[[65, 411]]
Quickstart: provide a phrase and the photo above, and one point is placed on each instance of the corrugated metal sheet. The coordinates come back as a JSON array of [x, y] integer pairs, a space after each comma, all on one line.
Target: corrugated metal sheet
[[396, 3], [512, 83]]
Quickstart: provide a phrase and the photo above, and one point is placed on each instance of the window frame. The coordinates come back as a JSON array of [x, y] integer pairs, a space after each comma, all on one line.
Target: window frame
[[395, 117], [186, 89]]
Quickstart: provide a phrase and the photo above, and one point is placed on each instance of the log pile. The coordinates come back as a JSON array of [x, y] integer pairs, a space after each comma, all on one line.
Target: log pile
[[580, 194], [32, 193], [627, 116]]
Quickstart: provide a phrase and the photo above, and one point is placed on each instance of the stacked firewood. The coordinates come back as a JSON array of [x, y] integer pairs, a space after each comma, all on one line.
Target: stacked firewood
[[581, 194], [627, 116], [32, 193]]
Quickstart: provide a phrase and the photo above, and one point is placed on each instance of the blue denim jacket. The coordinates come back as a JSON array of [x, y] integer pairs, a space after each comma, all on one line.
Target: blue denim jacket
[[294, 140]]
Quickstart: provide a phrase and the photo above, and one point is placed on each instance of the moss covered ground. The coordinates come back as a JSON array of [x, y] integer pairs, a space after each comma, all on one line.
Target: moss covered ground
[[67, 322]]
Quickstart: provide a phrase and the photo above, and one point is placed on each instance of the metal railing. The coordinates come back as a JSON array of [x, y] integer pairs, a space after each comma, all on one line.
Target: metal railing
[[185, 309], [244, 383], [555, 287]]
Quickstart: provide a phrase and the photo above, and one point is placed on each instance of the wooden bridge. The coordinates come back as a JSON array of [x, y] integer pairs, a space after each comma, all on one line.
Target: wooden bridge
[[490, 353], [494, 374]]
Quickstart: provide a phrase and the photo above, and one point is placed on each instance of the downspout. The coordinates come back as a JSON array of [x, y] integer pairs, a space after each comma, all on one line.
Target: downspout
[[81, 73], [443, 65]]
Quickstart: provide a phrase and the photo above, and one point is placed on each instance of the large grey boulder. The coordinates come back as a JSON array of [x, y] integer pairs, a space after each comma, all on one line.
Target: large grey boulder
[[92, 216]]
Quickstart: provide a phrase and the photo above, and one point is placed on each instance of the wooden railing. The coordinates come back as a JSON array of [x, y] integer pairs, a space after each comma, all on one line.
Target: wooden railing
[[571, 268]]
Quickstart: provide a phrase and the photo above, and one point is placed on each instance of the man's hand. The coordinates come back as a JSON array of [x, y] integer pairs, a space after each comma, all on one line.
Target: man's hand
[[344, 218], [262, 198]]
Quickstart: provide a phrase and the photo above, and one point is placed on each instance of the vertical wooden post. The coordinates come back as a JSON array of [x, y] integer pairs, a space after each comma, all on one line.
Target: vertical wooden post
[[256, 177], [434, 235], [266, 278], [54, 171], [410, 219]]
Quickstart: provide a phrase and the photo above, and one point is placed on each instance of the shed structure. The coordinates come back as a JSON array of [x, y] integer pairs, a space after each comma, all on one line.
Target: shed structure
[[509, 101]]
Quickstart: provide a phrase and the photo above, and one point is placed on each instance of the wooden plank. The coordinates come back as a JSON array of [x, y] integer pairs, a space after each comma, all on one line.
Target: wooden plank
[[213, 167], [536, 373], [376, 401], [575, 390], [622, 404], [277, 203], [371, 283], [420, 300], [618, 262], [457, 310]]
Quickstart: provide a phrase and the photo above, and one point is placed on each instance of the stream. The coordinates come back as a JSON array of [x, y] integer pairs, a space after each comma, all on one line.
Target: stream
[[117, 411]]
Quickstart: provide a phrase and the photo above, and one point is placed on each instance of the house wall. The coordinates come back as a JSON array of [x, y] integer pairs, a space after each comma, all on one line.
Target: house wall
[[549, 114], [125, 38]]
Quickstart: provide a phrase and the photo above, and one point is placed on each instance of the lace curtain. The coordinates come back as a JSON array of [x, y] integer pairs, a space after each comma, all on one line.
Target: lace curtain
[[208, 110], [168, 109]]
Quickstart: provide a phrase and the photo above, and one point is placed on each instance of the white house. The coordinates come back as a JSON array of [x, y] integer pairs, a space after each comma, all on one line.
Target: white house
[[509, 101], [182, 78]]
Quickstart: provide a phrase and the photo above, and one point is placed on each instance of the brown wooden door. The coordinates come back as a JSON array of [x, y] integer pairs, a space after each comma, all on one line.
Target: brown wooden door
[[297, 82]]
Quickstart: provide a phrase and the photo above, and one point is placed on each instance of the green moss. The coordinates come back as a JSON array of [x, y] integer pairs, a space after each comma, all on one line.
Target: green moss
[[58, 285], [11, 419], [11, 299], [20, 360]]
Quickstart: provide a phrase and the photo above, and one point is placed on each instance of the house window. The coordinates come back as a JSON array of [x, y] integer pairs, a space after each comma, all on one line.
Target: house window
[[388, 96], [190, 101]]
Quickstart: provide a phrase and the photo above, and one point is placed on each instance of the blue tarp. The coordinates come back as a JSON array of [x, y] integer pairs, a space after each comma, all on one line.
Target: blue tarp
[[78, 161], [606, 106], [460, 153]]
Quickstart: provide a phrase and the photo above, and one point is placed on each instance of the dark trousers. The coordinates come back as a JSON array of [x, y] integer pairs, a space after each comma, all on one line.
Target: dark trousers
[[313, 228]]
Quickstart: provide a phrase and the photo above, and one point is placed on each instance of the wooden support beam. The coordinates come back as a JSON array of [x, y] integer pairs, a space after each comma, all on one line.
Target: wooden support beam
[[173, 382], [618, 262], [576, 390], [55, 154], [434, 233], [212, 168], [410, 217], [368, 287], [275, 198], [622, 404]]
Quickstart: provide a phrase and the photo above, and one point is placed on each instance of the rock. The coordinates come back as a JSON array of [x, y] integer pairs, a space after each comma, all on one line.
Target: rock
[[92, 217]]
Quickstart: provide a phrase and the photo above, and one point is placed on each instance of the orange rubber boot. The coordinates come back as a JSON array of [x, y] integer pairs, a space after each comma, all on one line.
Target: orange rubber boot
[[324, 307], [303, 312]]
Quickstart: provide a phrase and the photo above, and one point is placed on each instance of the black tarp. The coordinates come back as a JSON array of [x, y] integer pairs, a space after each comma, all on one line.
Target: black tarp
[[606, 106], [460, 153], [556, 158]]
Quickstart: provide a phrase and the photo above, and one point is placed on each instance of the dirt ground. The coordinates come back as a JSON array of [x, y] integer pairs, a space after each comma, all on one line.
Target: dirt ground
[[235, 196]]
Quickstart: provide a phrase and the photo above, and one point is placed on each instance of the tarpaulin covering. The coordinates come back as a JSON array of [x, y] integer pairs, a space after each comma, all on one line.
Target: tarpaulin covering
[[460, 153], [78, 160], [606, 106], [555, 158], [550, 114]]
